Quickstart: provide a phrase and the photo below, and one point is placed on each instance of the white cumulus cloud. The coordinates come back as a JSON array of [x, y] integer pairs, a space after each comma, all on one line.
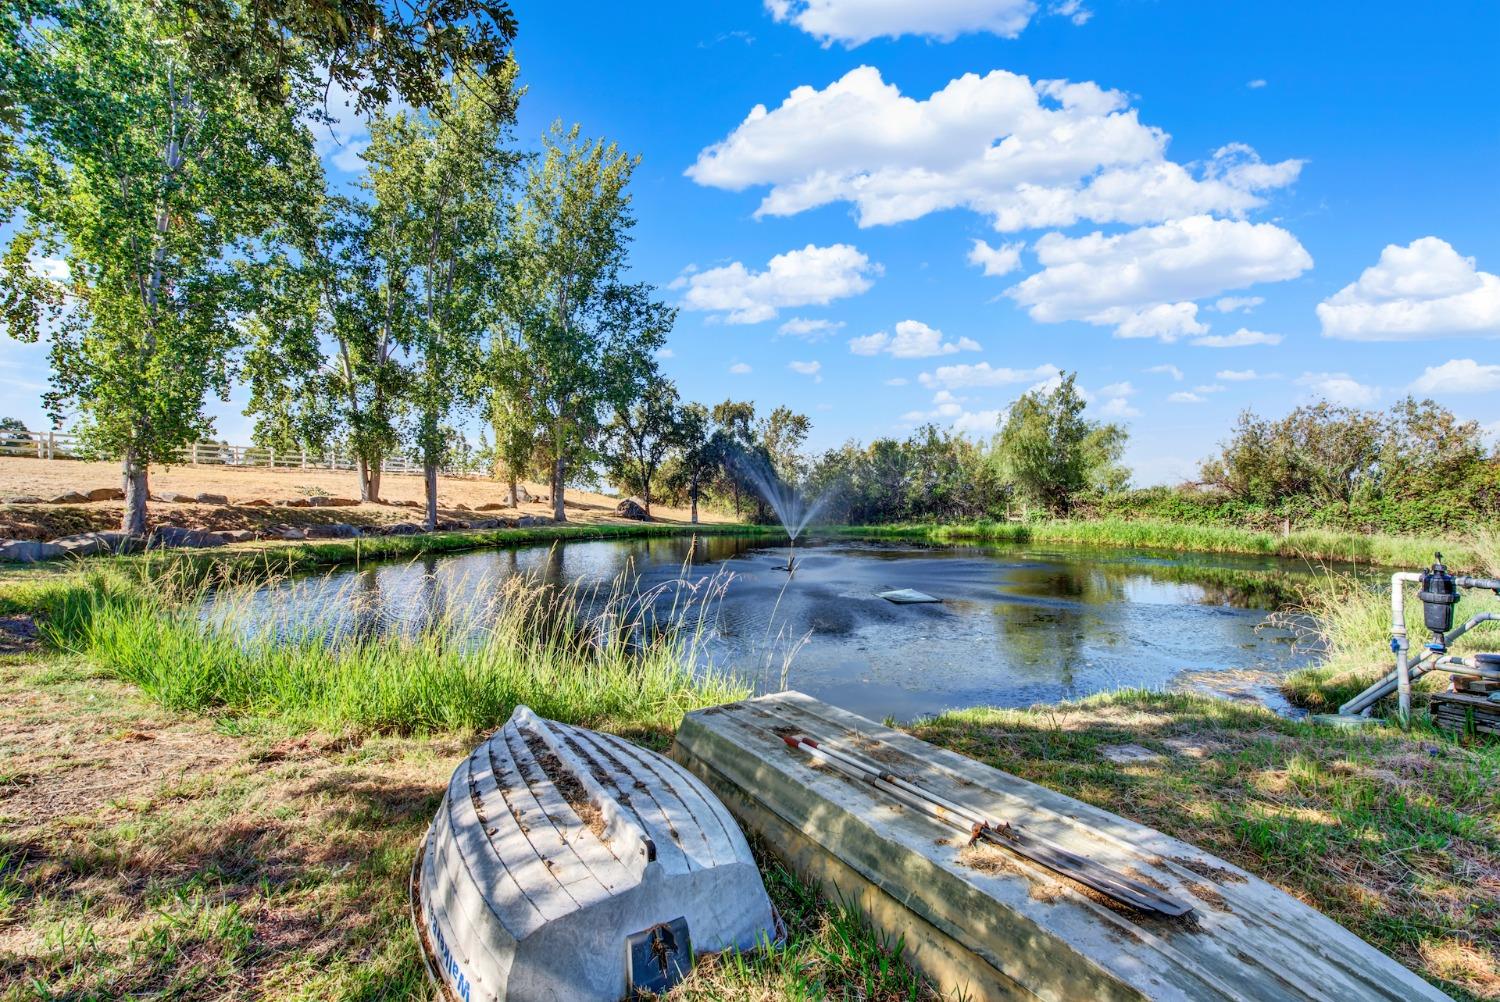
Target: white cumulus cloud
[[812, 330], [1142, 281], [1237, 375], [807, 277], [983, 374], [855, 22], [1241, 338], [1339, 387], [813, 369], [1425, 289], [740, 369], [1026, 154], [1184, 397], [1238, 304], [1461, 375], [1167, 370], [1000, 260], [913, 339]]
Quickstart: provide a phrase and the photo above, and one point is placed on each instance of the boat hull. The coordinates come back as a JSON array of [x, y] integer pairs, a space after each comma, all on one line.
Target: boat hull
[[983, 923], [554, 846]]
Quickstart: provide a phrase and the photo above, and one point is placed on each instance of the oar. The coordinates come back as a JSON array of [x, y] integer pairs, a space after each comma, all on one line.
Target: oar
[[981, 828]]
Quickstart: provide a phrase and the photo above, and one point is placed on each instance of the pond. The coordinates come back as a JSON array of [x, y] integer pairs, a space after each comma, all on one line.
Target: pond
[[1019, 624]]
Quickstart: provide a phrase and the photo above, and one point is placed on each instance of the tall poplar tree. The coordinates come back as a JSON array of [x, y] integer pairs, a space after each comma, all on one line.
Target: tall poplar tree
[[153, 179]]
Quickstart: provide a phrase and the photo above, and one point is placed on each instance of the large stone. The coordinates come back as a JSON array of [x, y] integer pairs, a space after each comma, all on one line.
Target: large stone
[[486, 523], [293, 503], [29, 551], [490, 506], [177, 497], [106, 494], [291, 535], [89, 544], [523, 496], [207, 498], [336, 530], [254, 503], [342, 502], [236, 535], [21, 499], [319, 501], [632, 509], [404, 529], [176, 535], [531, 521], [71, 497]]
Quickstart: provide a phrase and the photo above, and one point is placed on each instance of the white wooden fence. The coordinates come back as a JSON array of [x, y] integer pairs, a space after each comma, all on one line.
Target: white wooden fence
[[61, 446]]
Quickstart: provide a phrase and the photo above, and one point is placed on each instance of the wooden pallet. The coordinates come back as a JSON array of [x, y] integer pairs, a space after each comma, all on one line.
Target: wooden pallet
[[1465, 712]]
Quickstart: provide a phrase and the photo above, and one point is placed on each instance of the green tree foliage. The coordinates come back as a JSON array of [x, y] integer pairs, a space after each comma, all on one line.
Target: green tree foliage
[[1051, 453], [437, 184], [1415, 467], [692, 467], [575, 340], [781, 434], [934, 475], [641, 434], [156, 179]]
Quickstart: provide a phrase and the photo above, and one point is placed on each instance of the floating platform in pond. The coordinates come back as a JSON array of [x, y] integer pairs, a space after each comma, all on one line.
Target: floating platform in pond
[[908, 596], [565, 864], [986, 922]]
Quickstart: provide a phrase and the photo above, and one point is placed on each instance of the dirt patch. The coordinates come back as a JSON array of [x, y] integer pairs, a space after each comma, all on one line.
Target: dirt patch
[[567, 784], [1214, 899], [18, 635]]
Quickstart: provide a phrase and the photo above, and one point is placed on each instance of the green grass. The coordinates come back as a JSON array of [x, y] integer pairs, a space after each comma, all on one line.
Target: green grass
[[465, 671], [1311, 544]]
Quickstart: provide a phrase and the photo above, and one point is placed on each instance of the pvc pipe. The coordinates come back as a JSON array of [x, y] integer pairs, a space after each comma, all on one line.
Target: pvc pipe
[[1398, 637]]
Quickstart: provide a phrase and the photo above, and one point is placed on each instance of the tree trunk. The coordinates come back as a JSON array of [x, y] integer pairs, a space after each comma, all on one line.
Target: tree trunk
[[512, 495], [369, 481], [646, 498], [559, 513], [693, 501], [429, 474], [137, 492]]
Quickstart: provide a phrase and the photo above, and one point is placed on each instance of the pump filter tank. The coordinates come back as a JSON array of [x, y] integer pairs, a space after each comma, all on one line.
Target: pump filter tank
[[1439, 595]]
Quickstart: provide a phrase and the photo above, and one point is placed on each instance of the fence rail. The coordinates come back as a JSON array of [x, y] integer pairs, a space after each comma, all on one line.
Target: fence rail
[[62, 446]]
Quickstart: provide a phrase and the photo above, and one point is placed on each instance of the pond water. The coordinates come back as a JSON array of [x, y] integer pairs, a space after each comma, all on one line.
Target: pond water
[[1018, 624]]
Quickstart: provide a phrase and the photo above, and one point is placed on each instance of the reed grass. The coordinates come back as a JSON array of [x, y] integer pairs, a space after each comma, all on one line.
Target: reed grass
[[1308, 544], [466, 669]]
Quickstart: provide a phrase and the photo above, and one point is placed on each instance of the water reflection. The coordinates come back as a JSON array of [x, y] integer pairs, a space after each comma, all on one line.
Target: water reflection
[[1018, 625]]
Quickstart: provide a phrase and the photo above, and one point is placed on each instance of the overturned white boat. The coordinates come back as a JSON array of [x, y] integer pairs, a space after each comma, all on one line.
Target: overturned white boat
[[566, 864]]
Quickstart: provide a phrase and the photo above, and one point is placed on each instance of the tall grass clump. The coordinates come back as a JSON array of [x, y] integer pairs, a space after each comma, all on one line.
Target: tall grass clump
[[1307, 544], [1348, 621], [594, 659]]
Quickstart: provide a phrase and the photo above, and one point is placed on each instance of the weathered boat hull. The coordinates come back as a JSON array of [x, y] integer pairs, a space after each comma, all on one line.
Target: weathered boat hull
[[987, 924], [554, 846]]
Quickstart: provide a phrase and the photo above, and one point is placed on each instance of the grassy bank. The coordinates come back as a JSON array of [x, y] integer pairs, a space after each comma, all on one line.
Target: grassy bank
[[1393, 835], [1313, 544]]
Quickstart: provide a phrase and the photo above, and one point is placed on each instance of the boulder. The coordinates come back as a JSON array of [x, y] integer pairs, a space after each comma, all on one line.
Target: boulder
[[106, 494], [531, 521], [404, 529], [490, 506], [462, 507], [236, 535], [632, 509], [318, 501], [486, 523], [71, 497], [335, 530], [177, 497], [29, 551], [21, 499], [451, 525], [254, 503], [174, 535], [293, 502], [290, 535], [89, 544], [342, 502], [207, 498], [523, 496]]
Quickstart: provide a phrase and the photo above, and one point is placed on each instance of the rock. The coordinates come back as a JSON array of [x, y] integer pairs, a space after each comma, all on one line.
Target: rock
[[531, 521], [177, 497], [207, 498], [1128, 754], [523, 496], [404, 529], [291, 535], [462, 507], [632, 509], [451, 525], [29, 551], [342, 502], [293, 503], [71, 497], [490, 506], [486, 523], [254, 503], [335, 530], [89, 544], [318, 501], [236, 535], [21, 499], [172, 535], [106, 494]]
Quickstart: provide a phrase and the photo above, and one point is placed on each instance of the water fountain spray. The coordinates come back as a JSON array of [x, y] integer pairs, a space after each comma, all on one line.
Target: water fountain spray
[[793, 509]]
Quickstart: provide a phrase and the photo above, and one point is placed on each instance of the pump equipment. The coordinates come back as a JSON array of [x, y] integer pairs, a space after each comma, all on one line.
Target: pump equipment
[[1439, 595]]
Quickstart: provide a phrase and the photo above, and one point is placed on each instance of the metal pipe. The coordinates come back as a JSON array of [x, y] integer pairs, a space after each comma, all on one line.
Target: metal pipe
[[1364, 701], [1492, 584], [1399, 642]]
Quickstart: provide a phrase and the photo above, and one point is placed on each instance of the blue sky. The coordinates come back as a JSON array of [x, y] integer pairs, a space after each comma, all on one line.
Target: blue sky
[[1197, 206]]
